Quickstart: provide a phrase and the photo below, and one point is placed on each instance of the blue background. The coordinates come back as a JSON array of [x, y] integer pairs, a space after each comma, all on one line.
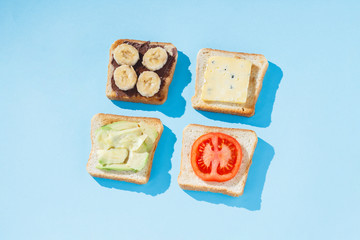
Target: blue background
[[304, 182]]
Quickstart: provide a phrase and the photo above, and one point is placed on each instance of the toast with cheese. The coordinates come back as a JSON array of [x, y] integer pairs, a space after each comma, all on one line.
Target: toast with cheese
[[259, 65], [132, 95], [187, 178], [140, 177]]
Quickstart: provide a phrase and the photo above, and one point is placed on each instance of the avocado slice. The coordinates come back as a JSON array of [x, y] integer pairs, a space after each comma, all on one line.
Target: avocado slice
[[138, 144], [122, 139], [143, 148], [105, 127], [151, 132], [125, 146], [109, 134], [137, 161], [122, 125], [116, 167], [102, 138], [114, 155]]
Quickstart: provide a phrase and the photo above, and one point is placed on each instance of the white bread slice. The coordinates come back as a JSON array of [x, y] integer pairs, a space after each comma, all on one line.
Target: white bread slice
[[140, 177], [258, 70], [188, 180]]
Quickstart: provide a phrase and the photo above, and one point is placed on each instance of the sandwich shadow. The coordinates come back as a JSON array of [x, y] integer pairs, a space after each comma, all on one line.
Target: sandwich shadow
[[175, 104], [159, 180], [264, 105], [251, 198]]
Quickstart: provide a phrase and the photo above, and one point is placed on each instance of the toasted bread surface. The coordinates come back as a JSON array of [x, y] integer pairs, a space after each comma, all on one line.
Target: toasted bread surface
[[258, 70], [187, 178], [134, 96], [140, 177]]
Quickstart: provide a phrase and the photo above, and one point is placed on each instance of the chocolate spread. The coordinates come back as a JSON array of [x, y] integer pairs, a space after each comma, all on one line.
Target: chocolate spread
[[163, 73]]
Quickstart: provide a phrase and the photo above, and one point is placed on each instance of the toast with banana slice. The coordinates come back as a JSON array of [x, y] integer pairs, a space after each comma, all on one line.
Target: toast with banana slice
[[140, 71], [123, 147]]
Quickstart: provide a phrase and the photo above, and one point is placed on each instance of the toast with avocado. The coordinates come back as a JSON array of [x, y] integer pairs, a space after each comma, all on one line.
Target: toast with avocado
[[123, 147], [216, 159], [228, 82], [140, 71]]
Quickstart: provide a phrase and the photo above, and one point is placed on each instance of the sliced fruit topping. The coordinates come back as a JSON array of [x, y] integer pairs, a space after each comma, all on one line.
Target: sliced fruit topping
[[216, 157], [126, 54], [124, 145], [137, 161], [150, 132], [114, 155], [125, 77], [122, 125], [148, 83], [155, 58]]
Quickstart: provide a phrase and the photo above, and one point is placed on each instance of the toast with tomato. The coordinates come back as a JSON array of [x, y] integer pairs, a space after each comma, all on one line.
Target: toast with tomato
[[216, 159]]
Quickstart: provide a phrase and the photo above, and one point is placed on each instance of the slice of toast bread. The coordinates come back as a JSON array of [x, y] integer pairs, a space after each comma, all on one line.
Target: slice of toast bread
[[187, 178], [132, 95], [140, 177], [258, 70]]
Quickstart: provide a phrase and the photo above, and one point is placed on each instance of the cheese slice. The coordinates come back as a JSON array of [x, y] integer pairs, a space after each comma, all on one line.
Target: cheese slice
[[226, 79]]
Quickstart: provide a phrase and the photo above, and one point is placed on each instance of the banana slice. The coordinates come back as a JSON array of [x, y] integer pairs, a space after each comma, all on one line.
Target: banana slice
[[125, 54], [148, 83], [155, 58], [125, 77]]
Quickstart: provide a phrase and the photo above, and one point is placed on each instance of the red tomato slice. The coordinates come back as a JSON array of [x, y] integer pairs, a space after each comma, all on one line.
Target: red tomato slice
[[216, 157]]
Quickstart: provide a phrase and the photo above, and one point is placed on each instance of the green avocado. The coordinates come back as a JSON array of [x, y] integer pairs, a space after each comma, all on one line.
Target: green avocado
[[151, 132], [124, 138], [143, 148], [116, 167], [108, 138], [114, 155], [122, 125], [124, 146], [102, 138], [109, 134], [138, 144], [137, 161]]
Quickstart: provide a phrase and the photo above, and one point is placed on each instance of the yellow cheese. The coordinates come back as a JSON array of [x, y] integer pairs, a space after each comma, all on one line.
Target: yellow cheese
[[226, 80]]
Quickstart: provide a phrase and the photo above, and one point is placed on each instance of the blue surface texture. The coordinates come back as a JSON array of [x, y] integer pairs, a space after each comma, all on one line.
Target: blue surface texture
[[304, 182]]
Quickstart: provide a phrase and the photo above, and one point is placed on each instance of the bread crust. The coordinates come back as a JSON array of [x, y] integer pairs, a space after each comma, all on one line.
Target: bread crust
[[140, 177], [234, 187], [111, 94], [259, 67]]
